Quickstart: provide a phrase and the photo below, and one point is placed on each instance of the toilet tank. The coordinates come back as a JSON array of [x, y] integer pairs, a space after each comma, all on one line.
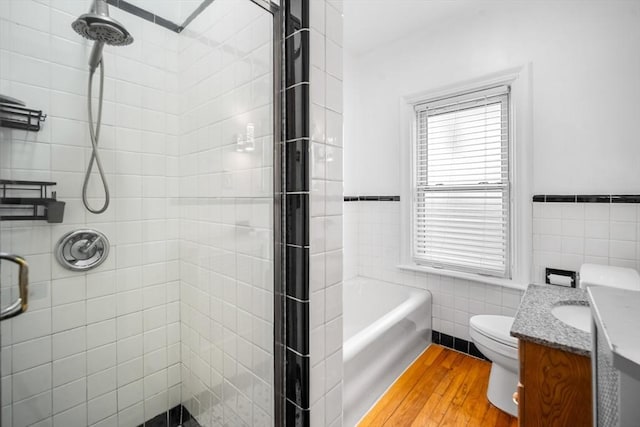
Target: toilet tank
[[607, 275]]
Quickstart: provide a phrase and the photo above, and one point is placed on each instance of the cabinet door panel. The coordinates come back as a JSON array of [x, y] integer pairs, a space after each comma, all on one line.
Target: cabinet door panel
[[558, 387]]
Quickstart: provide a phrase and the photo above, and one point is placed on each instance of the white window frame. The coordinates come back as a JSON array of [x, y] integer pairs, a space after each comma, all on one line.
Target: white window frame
[[520, 169]]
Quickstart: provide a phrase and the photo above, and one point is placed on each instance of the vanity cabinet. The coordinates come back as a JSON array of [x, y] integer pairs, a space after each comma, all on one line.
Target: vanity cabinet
[[555, 387]]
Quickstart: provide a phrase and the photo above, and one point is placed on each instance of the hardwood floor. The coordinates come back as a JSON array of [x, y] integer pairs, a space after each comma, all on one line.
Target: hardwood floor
[[441, 388]]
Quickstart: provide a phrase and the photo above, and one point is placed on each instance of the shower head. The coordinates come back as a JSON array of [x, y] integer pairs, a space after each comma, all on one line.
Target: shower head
[[99, 27]]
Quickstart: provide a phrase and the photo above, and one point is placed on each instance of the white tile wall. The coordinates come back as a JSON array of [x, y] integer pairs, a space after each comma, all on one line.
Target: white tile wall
[[566, 235], [96, 348], [372, 249], [226, 211], [326, 214]]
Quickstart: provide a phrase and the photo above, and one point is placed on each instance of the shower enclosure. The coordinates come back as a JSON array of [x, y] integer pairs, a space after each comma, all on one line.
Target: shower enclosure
[[176, 326]]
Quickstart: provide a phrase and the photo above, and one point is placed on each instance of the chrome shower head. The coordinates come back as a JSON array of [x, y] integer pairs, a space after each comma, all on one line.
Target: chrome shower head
[[98, 26]]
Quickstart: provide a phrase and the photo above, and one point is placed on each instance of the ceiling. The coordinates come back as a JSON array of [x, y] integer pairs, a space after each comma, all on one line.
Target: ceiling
[[371, 23]]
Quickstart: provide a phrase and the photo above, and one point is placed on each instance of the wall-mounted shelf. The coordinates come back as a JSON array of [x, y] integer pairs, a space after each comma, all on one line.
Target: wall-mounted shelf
[[29, 201], [18, 117]]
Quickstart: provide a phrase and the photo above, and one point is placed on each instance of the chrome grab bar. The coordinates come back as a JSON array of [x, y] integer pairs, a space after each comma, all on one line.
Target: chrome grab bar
[[20, 305]]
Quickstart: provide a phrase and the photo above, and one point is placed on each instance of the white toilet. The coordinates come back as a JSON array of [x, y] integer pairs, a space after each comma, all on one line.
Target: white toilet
[[491, 334]]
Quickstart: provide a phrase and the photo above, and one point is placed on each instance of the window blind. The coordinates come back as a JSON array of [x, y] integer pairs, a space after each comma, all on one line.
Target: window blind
[[461, 187]]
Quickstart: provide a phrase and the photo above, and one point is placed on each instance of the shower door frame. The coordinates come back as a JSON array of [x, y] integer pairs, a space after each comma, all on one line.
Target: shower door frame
[[276, 9]]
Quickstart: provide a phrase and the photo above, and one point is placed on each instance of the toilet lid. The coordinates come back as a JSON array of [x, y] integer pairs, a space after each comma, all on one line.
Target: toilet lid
[[495, 327]]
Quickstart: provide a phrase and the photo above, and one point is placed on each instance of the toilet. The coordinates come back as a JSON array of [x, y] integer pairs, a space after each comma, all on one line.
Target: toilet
[[491, 336], [490, 333]]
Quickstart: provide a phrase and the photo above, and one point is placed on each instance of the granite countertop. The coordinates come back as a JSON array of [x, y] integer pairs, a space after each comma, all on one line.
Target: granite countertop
[[616, 313], [535, 323]]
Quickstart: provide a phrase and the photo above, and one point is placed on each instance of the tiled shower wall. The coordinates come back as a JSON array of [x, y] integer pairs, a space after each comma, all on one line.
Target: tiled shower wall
[[226, 206], [98, 348], [372, 249], [325, 318]]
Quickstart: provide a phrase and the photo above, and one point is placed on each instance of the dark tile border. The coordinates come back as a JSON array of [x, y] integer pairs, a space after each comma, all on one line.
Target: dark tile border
[[635, 198], [587, 198], [174, 417], [205, 4], [148, 16], [593, 199], [458, 344], [371, 198], [292, 315]]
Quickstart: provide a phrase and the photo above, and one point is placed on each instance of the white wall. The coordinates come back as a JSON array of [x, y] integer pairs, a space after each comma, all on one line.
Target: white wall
[[585, 90]]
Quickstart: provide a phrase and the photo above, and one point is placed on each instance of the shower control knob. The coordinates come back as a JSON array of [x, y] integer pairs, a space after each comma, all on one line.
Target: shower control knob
[[82, 250]]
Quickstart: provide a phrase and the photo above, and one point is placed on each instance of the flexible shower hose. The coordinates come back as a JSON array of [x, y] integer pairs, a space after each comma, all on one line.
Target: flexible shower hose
[[95, 136]]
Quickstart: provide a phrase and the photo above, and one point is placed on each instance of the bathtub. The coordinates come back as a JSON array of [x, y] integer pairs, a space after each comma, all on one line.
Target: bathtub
[[386, 327]]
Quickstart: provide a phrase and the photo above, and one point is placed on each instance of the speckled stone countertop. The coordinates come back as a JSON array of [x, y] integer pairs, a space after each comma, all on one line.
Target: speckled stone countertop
[[534, 321]]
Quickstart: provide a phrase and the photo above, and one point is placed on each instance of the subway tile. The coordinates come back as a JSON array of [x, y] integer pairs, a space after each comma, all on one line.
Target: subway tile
[[333, 94], [597, 229], [297, 154], [296, 15], [69, 369], [623, 212], [333, 24], [31, 353], [297, 100], [596, 247], [598, 212], [101, 407], [317, 47], [297, 51], [297, 272], [572, 228], [622, 249], [623, 231], [31, 382], [334, 59], [573, 211], [317, 15], [69, 395], [297, 219], [74, 417], [295, 415], [32, 410], [298, 376], [297, 326]]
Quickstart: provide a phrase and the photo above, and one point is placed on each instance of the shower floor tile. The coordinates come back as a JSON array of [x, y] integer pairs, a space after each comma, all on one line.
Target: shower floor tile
[[442, 387]]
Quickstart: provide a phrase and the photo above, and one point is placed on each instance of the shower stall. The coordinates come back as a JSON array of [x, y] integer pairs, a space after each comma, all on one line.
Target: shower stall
[[179, 321]]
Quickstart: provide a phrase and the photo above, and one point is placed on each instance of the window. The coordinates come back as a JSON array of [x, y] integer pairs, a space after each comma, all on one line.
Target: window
[[461, 200]]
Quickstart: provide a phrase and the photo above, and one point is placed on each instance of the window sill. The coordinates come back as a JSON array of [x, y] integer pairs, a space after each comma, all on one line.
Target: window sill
[[506, 283]]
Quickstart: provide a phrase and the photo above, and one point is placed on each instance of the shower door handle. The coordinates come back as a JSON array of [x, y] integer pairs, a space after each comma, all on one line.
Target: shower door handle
[[19, 306]]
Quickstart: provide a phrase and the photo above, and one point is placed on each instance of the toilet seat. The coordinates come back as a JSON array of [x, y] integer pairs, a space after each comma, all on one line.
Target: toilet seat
[[496, 328]]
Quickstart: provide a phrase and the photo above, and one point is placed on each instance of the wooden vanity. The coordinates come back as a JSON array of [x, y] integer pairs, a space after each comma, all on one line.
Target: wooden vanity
[[555, 361], [555, 387]]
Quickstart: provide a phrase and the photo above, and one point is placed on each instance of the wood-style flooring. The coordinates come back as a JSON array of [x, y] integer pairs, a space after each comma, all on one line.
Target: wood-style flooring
[[441, 388]]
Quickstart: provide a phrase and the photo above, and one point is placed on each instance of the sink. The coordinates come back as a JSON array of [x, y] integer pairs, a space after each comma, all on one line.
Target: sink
[[577, 316]]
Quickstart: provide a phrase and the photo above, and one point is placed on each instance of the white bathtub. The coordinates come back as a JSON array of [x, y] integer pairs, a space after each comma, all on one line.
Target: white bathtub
[[386, 326]]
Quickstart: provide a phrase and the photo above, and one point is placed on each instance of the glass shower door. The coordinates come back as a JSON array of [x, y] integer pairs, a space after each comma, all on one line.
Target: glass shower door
[[178, 321], [226, 205]]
